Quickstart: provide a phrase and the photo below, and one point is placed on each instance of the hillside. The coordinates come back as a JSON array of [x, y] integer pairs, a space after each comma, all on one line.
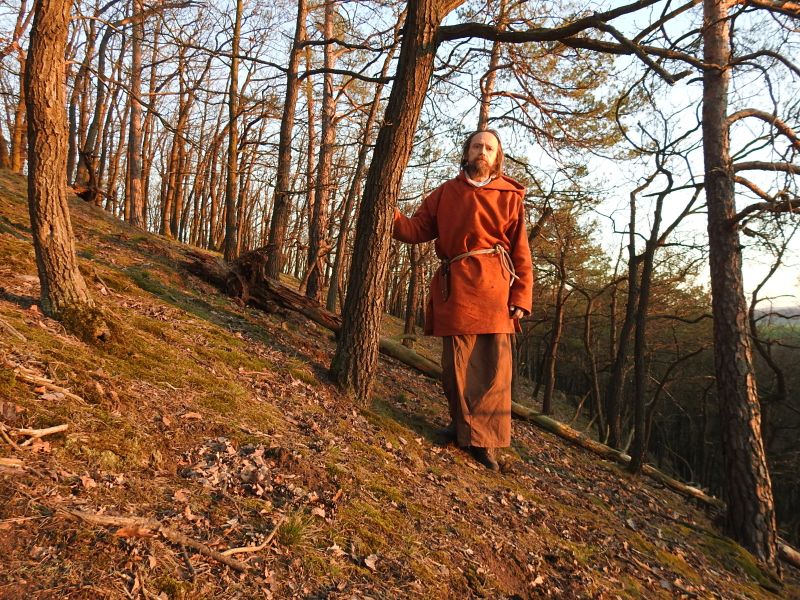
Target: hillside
[[214, 425]]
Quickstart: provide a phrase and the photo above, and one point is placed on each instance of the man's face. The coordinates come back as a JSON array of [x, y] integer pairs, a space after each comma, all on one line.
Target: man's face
[[481, 155]]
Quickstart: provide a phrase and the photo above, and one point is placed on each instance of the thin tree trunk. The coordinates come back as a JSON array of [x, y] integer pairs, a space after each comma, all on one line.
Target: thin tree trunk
[[134, 195], [18, 133], [230, 249], [276, 243], [488, 80], [354, 191], [555, 341], [317, 244], [412, 298]]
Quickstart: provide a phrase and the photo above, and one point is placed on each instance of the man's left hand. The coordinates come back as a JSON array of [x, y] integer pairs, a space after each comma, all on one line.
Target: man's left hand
[[515, 312]]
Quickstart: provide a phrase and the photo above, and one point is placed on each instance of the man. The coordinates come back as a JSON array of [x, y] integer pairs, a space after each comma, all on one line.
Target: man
[[481, 290]]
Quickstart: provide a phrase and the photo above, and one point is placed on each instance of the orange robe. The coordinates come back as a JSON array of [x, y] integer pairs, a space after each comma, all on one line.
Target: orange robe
[[461, 218]]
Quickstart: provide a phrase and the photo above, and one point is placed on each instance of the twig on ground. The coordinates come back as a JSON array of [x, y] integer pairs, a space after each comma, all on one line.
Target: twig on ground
[[12, 331], [29, 376], [13, 463], [151, 524], [260, 547], [7, 439], [188, 563], [35, 434]]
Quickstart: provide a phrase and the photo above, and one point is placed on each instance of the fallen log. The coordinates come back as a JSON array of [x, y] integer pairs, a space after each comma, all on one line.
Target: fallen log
[[247, 281]]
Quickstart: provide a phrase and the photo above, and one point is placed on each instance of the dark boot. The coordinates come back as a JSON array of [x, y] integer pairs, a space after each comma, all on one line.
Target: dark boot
[[447, 435], [485, 456]]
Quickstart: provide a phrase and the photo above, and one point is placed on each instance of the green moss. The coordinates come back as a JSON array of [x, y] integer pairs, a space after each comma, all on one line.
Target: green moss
[[173, 588], [302, 371], [86, 322], [735, 558]]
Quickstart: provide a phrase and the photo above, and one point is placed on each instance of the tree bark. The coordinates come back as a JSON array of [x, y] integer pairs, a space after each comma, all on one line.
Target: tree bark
[[750, 508], [231, 246], [488, 79], [134, 194], [64, 295], [18, 133], [353, 364], [280, 210], [317, 244]]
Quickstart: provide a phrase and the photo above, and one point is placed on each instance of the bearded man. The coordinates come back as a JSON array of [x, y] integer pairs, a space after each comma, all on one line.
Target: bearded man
[[482, 288]]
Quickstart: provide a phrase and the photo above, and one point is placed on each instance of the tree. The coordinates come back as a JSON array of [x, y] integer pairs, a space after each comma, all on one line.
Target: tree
[[751, 513], [134, 194], [353, 364], [231, 247], [64, 295], [280, 210]]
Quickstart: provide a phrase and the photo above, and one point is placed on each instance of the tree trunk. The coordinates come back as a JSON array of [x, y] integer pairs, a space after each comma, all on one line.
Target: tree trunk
[[555, 341], [231, 246], [750, 512], [487, 81], [63, 291], [353, 364], [18, 133], [355, 190], [317, 244], [5, 161], [412, 298], [134, 195], [78, 109], [280, 210]]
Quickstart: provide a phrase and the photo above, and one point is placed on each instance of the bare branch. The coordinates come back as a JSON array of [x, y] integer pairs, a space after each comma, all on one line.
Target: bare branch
[[790, 9], [773, 120], [537, 34], [770, 53], [787, 206], [757, 165]]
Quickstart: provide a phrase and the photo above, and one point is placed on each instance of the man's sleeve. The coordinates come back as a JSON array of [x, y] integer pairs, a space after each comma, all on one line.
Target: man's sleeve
[[421, 226], [521, 294]]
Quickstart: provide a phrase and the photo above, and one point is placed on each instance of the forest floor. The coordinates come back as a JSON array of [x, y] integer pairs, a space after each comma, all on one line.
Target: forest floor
[[216, 422]]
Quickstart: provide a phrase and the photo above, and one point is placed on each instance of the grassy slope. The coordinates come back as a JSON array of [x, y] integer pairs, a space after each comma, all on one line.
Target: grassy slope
[[218, 421]]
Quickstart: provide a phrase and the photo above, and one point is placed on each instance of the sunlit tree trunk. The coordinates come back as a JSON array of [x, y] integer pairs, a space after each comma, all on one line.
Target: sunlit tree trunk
[[354, 362], [231, 245], [18, 133], [280, 211], [64, 295], [319, 214], [354, 191], [489, 78], [134, 195], [750, 508]]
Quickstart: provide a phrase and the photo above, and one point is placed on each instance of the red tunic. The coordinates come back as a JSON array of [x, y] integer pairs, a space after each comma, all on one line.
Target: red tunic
[[462, 218]]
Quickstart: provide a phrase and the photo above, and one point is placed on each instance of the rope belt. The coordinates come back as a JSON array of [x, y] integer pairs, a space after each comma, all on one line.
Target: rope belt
[[505, 262]]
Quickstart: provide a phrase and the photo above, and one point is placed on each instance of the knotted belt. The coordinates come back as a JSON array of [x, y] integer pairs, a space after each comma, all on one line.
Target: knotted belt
[[505, 262]]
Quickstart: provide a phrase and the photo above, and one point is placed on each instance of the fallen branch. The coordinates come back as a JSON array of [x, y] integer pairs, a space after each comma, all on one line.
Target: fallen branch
[[153, 525], [7, 439], [35, 434], [260, 547], [29, 376], [13, 463], [13, 331]]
